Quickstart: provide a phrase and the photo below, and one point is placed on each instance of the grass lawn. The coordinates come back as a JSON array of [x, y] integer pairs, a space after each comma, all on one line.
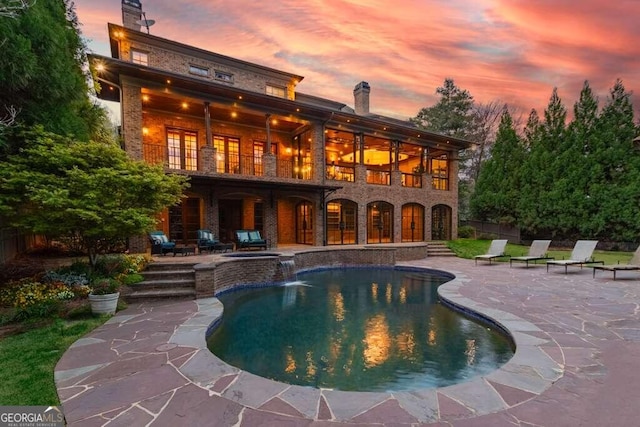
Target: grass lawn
[[27, 360], [468, 248]]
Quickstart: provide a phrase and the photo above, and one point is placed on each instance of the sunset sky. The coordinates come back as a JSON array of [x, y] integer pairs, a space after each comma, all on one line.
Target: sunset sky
[[514, 51]]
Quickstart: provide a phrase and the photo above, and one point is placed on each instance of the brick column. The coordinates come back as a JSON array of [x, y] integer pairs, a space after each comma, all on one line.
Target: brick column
[[206, 162], [132, 120], [270, 163]]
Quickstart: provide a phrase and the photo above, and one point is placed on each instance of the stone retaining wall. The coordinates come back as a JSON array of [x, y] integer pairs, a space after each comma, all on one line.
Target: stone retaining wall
[[227, 273]]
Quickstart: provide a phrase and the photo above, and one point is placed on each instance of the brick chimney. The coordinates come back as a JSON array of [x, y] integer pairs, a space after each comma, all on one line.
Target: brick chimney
[[361, 97], [131, 14]]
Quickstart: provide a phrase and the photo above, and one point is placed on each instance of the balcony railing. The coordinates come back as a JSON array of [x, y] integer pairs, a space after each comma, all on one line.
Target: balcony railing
[[291, 168], [378, 177], [341, 173], [154, 154], [411, 180]]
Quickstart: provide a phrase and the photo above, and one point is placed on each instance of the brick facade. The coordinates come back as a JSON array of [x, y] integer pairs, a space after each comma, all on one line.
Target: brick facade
[[280, 193]]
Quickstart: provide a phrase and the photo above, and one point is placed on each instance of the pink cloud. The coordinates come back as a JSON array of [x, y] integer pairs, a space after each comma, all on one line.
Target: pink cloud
[[510, 50]]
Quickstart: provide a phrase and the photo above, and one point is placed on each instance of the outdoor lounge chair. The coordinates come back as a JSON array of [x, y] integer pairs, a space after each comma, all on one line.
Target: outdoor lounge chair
[[537, 251], [496, 250], [581, 254], [249, 239], [634, 264], [207, 241], [160, 243]]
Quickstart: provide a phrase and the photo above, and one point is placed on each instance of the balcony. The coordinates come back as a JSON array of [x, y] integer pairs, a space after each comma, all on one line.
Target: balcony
[[378, 177], [341, 173], [293, 168], [286, 168]]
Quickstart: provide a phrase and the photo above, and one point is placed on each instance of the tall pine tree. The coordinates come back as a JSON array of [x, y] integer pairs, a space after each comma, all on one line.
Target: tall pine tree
[[499, 185]]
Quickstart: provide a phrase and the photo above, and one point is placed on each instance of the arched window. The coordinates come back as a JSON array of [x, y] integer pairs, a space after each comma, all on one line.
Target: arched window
[[441, 222], [342, 225], [379, 222]]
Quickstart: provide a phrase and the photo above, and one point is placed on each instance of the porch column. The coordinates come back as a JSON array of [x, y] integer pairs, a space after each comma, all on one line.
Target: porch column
[[268, 124], [396, 153], [207, 124]]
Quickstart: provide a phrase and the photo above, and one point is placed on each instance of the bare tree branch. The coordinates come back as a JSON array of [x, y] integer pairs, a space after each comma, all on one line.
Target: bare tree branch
[[11, 8], [9, 118]]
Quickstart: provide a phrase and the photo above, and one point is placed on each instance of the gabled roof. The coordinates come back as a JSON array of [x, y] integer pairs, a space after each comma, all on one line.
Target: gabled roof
[[190, 51]]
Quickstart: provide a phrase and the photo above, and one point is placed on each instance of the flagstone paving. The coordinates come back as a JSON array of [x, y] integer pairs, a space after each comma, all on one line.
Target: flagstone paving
[[576, 363]]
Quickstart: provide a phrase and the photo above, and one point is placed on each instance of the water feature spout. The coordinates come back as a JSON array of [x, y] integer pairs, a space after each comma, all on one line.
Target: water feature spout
[[288, 269]]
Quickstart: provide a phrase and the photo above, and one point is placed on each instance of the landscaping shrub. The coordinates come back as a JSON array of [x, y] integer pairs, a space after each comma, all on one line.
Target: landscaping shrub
[[487, 236], [63, 291], [466, 232]]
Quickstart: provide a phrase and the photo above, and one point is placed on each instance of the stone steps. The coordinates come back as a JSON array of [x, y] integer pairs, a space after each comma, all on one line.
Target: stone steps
[[164, 281], [439, 249]]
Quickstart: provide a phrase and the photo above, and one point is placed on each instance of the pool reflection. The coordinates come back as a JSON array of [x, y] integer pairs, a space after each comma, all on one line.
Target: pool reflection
[[355, 329]]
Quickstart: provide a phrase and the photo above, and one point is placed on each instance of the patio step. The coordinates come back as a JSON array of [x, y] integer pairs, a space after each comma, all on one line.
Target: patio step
[[160, 275], [439, 249], [170, 265], [160, 294], [163, 281]]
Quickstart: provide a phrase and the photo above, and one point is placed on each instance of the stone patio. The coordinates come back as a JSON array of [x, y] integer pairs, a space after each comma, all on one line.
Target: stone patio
[[576, 363]]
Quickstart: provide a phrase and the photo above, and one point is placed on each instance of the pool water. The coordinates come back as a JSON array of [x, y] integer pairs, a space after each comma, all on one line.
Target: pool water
[[355, 329]]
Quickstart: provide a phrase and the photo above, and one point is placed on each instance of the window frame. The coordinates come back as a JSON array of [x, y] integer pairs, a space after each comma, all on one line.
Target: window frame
[[223, 76], [143, 54], [202, 70], [186, 148], [274, 90]]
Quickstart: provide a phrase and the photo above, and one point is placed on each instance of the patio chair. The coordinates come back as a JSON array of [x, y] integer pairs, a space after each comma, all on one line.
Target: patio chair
[[496, 250], [249, 239], [160, 243], [580, 255], [537, 251], [207, 241], [634, 264]]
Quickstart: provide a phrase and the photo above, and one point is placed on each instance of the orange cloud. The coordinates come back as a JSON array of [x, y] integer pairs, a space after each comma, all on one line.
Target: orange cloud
[[514, 51]]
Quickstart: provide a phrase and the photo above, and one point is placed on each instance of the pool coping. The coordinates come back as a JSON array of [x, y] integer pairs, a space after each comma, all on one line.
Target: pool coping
[[161, 349], [530, 370]]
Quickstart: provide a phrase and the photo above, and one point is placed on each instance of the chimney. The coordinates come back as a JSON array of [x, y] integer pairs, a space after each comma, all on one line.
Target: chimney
[[131, 14], [361, 97]]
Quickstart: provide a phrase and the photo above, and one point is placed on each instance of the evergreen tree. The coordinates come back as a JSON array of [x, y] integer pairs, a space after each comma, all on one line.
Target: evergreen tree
[[41, 74], [499, 185], [538, 207], [576, 207], [615, 186], [452, 115]]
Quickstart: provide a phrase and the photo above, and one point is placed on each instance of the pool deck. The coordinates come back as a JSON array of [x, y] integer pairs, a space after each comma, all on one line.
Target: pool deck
[[577, 363]]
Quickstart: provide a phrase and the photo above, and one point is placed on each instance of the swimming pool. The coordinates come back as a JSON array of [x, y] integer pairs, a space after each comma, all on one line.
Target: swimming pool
[[357, 329]]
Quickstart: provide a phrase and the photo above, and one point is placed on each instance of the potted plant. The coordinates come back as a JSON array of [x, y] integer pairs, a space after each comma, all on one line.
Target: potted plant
[[104, 295]]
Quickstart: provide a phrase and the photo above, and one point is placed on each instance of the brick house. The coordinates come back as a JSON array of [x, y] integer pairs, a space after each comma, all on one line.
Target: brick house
[[302, 169]]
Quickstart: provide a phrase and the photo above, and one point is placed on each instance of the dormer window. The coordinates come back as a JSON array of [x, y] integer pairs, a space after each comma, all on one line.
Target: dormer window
[[278, 91], [139, 57], [225, 77], [199, 71]]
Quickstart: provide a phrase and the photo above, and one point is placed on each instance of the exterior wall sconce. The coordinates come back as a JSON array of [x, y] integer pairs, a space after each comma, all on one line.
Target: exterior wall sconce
[[145, 131]]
